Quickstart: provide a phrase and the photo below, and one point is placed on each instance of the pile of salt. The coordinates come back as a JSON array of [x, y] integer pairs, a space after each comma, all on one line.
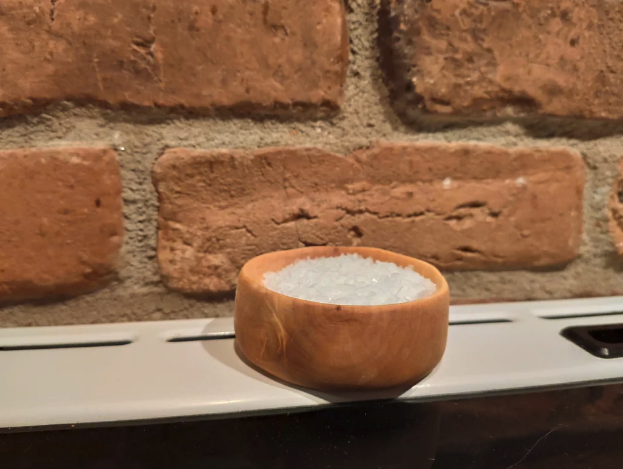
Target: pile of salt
[[349, 280]]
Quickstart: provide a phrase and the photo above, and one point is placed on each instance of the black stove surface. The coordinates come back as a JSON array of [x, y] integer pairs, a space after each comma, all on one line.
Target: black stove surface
[[570, 428]]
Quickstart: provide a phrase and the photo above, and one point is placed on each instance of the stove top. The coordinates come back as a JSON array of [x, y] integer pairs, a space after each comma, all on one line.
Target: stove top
[[522, 385]]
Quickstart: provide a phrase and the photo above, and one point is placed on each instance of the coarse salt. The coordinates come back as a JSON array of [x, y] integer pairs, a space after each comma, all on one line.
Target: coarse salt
[[349, 280]]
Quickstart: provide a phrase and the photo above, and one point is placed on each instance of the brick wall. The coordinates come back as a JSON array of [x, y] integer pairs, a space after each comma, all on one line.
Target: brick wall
[[149, 148]]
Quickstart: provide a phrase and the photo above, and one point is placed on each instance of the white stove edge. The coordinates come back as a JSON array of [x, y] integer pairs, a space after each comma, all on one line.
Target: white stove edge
[[151, 378]]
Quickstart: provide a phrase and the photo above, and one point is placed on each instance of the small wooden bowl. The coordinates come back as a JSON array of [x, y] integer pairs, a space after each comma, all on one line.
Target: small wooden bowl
[[329, 347]]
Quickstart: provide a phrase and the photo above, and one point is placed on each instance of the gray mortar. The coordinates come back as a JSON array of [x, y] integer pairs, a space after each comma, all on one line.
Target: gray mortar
[[367, 115]]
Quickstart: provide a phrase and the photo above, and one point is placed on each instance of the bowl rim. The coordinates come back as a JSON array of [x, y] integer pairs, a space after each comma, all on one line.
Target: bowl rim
[[441, 291]]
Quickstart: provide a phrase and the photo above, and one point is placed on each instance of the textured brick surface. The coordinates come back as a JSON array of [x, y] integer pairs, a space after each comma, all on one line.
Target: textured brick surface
[[61, 222], [179, 53], [460, 206], [616, 211], [558, 57]]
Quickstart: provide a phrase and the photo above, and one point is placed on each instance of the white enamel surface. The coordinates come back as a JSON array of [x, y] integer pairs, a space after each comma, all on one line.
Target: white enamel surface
[[152, 378]]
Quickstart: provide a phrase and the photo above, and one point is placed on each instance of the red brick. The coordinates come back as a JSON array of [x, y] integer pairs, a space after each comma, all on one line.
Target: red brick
[[552, 57], [460, 206], [269, 54], [61, 222], [616, 211]]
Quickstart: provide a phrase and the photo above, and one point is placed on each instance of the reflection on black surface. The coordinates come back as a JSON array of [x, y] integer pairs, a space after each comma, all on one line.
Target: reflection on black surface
[[574, 428], [603, 341]]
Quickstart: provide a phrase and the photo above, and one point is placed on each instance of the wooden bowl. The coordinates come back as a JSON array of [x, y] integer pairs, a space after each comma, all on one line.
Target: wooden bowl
[[330, 347]]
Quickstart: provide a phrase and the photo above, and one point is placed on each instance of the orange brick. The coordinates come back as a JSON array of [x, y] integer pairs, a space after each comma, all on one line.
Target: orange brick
[[459, 206], [277, 55], [523, 57], [61, 221], [616, 211]]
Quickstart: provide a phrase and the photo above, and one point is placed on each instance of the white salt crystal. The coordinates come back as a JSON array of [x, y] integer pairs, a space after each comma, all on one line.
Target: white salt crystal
[[349, 280]]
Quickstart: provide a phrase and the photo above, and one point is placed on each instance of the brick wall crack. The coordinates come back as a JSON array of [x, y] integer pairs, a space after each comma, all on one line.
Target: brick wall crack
[[145, 47], [53, 10]]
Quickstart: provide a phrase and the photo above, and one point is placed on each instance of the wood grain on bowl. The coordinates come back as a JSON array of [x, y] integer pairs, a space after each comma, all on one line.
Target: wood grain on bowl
[[333, 347]]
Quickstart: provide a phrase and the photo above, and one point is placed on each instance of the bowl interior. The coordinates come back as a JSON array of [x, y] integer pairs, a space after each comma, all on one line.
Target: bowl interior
[[255, 269]]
